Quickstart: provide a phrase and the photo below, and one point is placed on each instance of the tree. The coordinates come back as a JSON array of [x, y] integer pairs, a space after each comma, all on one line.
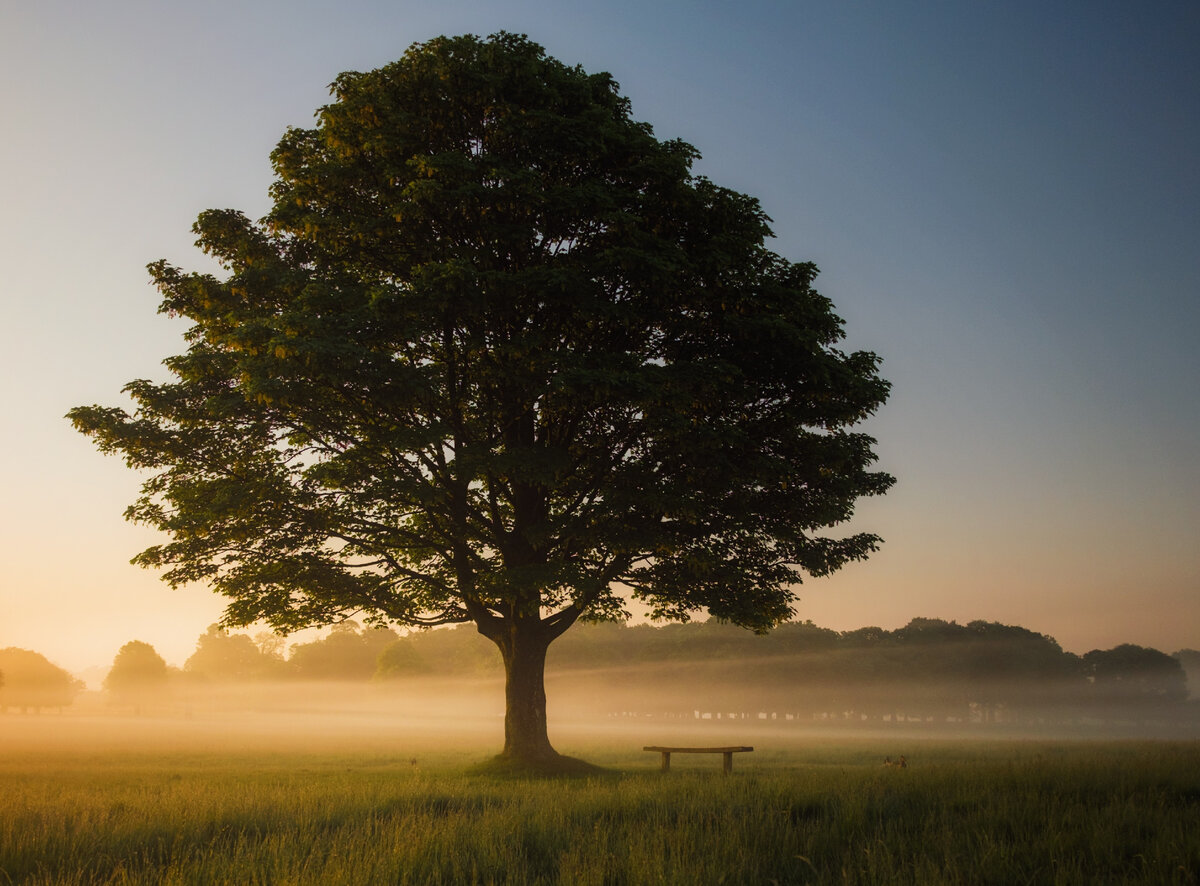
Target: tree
[[400, 659], [496, 355], [459, 651], [1189, 660], [346, 654], [1019, 670], [272, 646], [138, 674], [227, 657], [34, 682], [1136, 679]]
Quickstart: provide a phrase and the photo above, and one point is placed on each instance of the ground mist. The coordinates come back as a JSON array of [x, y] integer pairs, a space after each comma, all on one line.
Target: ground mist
[[314, 798]]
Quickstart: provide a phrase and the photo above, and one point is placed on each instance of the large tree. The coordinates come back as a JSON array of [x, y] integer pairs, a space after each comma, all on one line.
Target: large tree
[[496, 355]]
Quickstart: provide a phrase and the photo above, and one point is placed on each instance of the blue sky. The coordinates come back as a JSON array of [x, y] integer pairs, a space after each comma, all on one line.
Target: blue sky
[[1004, 200]]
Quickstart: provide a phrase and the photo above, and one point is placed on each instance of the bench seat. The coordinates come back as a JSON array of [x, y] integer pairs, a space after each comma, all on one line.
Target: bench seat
[[727, 753]]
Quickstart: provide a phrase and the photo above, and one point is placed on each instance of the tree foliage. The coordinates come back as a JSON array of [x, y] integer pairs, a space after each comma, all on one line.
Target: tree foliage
[[347, 653], [1189, 660], [222, 656], [138, 674], [31, 681], [1136, 674], [136, 664]]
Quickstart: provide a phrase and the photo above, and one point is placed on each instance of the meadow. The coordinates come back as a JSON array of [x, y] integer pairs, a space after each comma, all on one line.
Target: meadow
[[309, 800]]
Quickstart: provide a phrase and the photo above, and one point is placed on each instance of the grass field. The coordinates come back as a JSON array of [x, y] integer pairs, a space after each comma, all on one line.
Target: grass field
[[111, 800]]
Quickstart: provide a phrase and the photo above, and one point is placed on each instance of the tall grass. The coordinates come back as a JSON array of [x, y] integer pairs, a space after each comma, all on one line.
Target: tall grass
[[806, 812]]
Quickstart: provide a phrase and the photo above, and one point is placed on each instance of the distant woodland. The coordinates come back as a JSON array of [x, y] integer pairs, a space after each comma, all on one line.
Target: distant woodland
[[928, 670]]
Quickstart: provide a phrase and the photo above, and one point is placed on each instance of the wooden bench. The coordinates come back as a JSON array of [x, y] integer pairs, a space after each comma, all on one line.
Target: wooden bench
[[728, 753]]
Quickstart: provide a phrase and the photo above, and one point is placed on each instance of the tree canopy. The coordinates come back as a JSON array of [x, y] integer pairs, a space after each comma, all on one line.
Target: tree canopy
[[496, 354], [1128, 672], [31, 681], [221, 656], [346, 654], [138, 674]]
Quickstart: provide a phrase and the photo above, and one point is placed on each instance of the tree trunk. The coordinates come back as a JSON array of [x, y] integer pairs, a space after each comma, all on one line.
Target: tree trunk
[[525, 736], [523, 643], [523, 648]]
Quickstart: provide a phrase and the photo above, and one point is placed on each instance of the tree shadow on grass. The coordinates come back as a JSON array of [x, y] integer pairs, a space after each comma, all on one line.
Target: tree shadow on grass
[[554, 767]]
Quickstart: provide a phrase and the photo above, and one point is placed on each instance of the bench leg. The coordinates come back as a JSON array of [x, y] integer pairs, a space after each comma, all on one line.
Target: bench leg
[[666, 761], [728, 762]]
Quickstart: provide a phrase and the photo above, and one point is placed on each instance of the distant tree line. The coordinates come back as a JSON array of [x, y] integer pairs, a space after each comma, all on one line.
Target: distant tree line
[[928, 669], [347, 652]]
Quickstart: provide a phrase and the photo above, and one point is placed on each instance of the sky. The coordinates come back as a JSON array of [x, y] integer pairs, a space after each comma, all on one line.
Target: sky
[[1003, 199]]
